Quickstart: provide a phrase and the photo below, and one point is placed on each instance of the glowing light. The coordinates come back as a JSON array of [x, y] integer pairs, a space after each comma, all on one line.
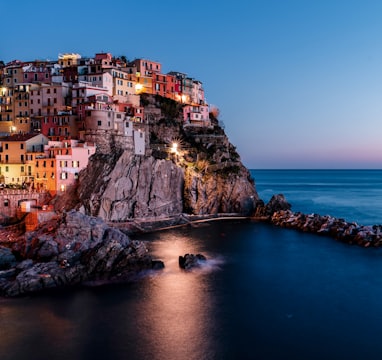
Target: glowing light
[[62, 187], [174, 148], [138, 87], [184, 98]]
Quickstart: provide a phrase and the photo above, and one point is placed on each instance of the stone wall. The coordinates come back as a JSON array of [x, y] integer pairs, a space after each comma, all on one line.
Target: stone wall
[[10, 201]]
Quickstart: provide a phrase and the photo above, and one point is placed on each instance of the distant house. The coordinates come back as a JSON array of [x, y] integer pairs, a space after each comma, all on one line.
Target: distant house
[[196, 115]]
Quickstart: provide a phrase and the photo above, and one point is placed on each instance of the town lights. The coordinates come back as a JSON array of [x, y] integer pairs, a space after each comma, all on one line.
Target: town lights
[[138, 87]]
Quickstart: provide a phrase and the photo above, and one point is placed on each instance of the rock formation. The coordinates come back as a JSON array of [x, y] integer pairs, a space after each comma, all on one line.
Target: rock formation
[[204, 176], [277, 211], [68, 251], [276, 203], [190, 261]]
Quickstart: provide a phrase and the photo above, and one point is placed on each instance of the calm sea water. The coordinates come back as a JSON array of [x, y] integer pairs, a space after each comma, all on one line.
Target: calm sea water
[[265, 293], [355, 195]]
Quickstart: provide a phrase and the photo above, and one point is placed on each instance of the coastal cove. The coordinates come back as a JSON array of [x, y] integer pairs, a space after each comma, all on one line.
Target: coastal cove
[[264, 292]]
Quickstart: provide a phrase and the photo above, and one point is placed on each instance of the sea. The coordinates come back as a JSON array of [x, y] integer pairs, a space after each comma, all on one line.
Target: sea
[[264, 292]]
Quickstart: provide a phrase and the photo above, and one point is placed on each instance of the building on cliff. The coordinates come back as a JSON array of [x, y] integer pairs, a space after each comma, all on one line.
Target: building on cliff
[[18, 153], [72, 106]]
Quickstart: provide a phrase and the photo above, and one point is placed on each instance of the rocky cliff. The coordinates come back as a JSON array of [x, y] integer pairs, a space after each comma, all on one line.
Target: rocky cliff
[[203, 175]]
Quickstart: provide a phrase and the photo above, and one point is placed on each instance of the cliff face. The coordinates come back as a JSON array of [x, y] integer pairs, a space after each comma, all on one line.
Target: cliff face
[[203, 176], [137, 186]]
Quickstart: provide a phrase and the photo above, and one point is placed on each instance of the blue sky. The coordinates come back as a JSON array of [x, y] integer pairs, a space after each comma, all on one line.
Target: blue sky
[[298, 83]]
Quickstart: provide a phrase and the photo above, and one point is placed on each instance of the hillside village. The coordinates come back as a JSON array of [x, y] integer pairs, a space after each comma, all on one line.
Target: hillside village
[[55, 114]]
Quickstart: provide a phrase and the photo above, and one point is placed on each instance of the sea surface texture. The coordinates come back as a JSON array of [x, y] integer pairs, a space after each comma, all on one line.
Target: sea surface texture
[[264, 293], [354, 195]]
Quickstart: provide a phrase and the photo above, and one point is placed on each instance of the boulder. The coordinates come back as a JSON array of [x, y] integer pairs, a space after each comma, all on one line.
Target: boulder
[[190, 261], [7, 259], [277, 203]]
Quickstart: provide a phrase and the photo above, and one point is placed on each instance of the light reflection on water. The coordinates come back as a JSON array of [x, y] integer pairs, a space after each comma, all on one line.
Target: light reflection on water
[[178, 306]]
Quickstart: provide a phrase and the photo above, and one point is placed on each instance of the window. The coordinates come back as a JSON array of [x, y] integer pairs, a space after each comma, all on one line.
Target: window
[[63, 175], [76, 175], [6, 202], [21, 146], [7, 169], [6, 146], [99, 122]]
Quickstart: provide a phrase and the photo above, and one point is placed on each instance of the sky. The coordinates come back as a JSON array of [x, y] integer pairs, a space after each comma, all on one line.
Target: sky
[[298, 82]]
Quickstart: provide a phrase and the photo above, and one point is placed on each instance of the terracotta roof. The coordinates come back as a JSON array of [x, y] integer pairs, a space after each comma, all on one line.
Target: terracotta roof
[[18, 137]]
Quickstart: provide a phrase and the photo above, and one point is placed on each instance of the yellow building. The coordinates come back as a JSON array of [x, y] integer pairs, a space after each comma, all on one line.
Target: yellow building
[[17, 157]]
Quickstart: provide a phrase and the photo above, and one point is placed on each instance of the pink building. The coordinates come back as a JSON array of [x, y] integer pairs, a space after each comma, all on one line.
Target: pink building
[[196, 115], [37, 72], [146, 67], [48, 99], [71, 156]]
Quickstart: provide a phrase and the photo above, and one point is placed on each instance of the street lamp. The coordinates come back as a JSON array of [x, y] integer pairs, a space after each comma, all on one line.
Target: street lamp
[[174, 148]]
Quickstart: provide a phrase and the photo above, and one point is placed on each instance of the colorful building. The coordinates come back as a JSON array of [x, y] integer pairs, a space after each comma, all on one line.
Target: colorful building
[[17, 156], [62, 163]]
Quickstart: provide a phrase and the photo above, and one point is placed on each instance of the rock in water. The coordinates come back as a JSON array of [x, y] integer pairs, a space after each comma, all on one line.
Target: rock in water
[[189, 261]]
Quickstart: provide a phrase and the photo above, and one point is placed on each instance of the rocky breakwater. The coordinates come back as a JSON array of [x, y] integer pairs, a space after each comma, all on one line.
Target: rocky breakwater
[[348, 232], [70, 250], [278, 212]]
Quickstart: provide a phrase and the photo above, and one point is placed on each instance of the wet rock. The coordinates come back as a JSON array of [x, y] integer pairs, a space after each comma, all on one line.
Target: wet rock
[[78, 249], [7, 259], [351, 233], [275, 204], [189, 261]]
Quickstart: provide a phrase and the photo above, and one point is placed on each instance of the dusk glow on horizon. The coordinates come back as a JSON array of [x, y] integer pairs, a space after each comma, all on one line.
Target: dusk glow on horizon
[[298, 83]]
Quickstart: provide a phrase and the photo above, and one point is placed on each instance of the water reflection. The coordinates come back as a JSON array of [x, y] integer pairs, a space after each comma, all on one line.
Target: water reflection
[[179, 304]]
